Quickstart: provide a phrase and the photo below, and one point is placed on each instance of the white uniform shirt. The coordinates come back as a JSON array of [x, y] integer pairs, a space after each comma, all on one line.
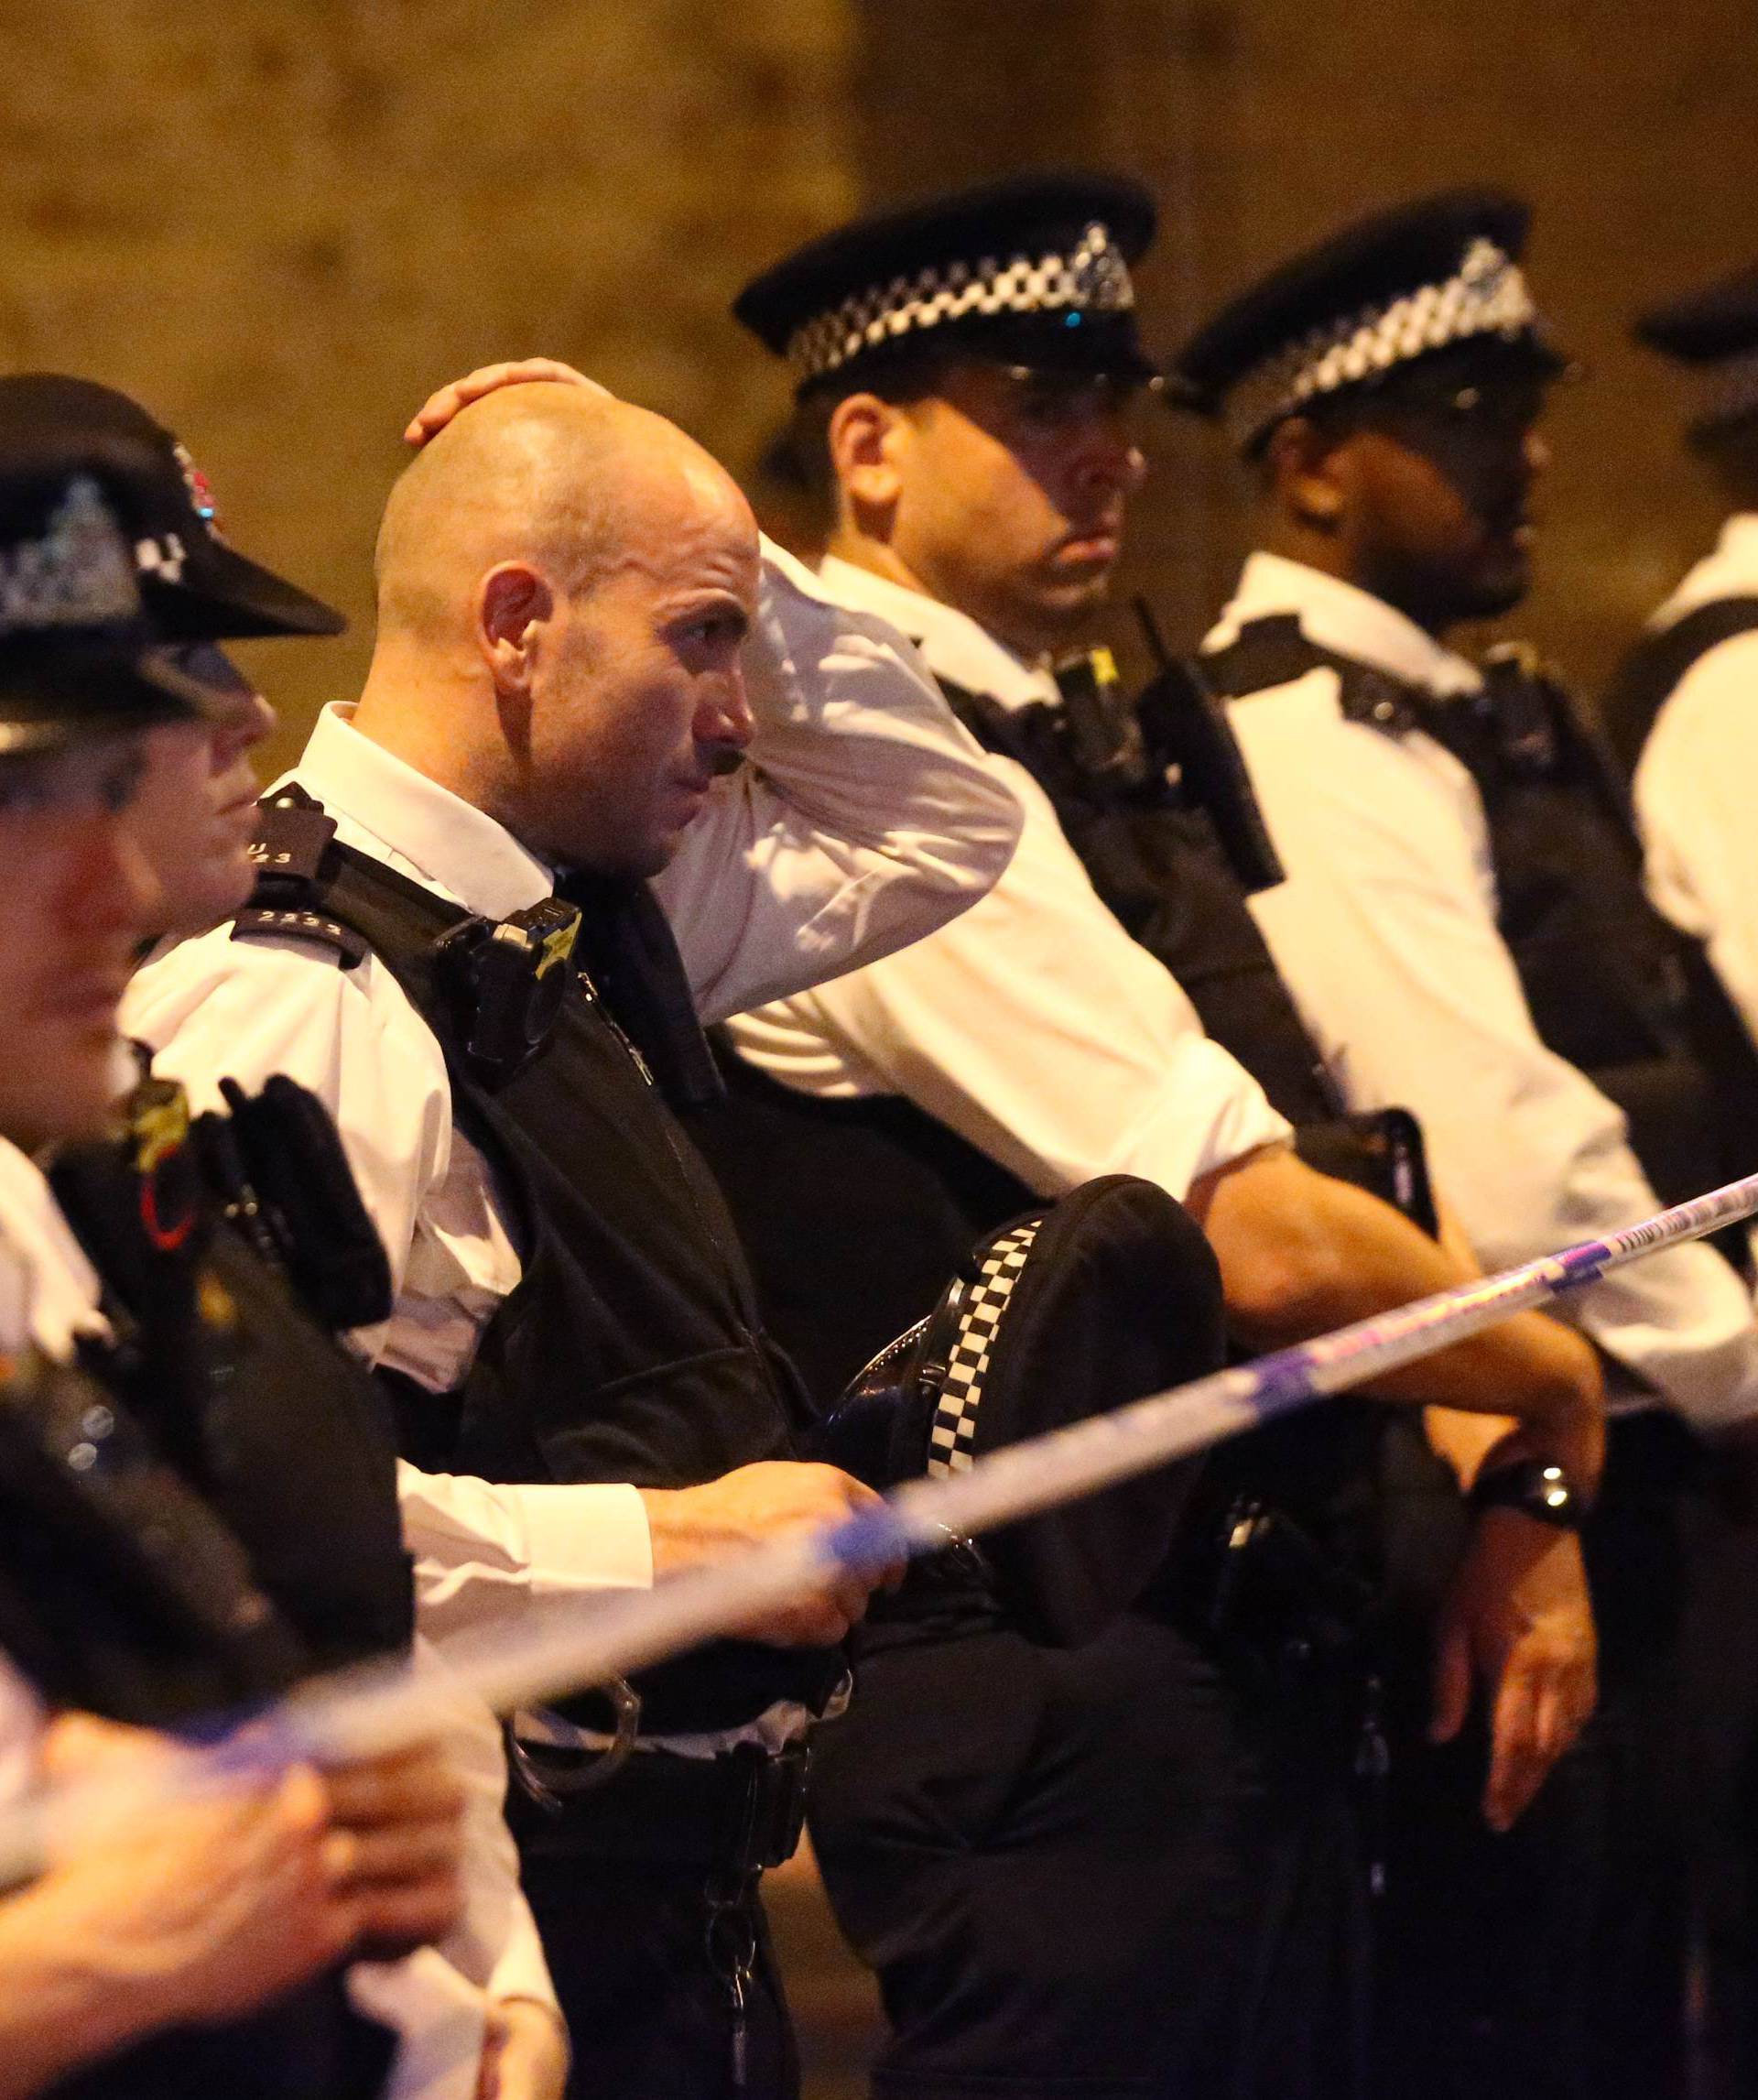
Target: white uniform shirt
[[865, 818], [1033, 1026], [49, 1295], [1696, 781], [1386, 933]]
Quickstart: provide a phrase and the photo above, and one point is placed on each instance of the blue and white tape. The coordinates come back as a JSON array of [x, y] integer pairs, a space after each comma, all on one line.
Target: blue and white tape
[[567, 1645]]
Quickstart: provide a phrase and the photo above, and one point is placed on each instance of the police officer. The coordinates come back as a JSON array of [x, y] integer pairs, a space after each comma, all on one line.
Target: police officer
[[1675, 713], [1676, 717], [566, 588], [122, 1588], [967, 371], [1462, 931]]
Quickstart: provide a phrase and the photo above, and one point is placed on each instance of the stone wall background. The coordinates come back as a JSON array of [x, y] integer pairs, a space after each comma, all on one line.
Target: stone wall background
[[282, 221], [1260, 124]]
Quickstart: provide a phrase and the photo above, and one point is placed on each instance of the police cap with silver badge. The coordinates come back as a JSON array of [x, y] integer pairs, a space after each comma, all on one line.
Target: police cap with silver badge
[[196, 587], [1066, 1312], [1383, 292], [78, 659], [1713, 333], [1033, 271]]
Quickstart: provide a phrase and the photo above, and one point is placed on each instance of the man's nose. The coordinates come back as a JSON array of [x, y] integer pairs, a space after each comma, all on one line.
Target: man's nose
[[726, 718], [244, 726], [1536, 449], [1110, 458]]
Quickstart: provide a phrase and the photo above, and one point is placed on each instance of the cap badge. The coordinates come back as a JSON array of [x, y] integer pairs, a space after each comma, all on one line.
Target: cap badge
[[79, 574], [200, 492]]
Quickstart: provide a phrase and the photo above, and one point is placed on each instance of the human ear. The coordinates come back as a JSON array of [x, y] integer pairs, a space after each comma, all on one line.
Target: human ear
[[513, 607], [863, 439], [1308, 472]]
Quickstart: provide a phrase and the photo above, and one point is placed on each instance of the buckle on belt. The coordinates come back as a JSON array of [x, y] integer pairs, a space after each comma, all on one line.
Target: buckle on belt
[[552, 1782], [767, 1828]]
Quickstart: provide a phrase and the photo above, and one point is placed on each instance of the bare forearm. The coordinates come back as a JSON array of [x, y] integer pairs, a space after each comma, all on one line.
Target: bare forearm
[[1301, 1253]]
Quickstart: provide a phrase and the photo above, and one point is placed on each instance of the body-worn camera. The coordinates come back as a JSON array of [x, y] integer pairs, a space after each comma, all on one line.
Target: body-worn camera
[[507, 979]]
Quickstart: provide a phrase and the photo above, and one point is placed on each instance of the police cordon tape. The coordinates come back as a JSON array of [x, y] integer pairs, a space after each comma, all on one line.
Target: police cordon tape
[[569, 1645]]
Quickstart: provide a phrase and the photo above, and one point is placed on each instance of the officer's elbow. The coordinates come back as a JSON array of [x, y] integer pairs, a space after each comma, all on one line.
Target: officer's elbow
[[1285, 1273]]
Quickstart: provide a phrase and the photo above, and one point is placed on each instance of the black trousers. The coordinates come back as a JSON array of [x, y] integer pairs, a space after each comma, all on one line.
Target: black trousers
[[646, 2001], [1550, 1963], [1090, 1873]]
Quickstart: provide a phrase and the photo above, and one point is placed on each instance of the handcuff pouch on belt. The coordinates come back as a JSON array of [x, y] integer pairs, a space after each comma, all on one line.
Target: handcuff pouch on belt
[[734, 1816]]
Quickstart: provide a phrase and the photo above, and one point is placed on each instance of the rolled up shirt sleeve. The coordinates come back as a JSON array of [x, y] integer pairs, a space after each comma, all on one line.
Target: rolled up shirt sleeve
[[1386, 932], [864, 817], [1034, 1028]]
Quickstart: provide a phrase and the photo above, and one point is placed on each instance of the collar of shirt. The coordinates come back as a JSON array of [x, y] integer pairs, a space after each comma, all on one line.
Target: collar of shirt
[[1340, 616], [952, 644], [424, 829], [1730, 571]]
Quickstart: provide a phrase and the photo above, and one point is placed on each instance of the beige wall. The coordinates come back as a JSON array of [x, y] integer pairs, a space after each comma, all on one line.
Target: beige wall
[[1632, 124], [279, 221]]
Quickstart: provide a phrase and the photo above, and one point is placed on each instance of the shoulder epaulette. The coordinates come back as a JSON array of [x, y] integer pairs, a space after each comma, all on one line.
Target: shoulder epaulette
[[294, 861], [291, 922]]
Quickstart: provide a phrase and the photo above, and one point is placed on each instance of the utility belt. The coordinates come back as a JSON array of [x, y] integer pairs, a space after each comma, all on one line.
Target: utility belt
[[725, 1817]]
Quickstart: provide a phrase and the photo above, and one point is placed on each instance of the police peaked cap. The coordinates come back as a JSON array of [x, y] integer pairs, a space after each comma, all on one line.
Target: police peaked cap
[[196, 586], [1385, 291], [1714, 331], [1108, 1296], [1032, 271], [78, 659]]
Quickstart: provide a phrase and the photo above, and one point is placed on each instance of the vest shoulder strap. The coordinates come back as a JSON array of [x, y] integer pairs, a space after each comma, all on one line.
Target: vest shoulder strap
[[1277, 649], [1653, 670]]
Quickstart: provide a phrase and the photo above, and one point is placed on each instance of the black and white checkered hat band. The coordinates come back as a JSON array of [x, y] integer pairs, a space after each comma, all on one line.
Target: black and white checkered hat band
[[1488, 296], [954, 1432], [1729, 391], [1094, 278]]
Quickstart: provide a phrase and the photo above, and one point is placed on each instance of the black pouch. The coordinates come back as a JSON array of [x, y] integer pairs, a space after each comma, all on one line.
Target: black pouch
[[278, 1165], [121, 1591]]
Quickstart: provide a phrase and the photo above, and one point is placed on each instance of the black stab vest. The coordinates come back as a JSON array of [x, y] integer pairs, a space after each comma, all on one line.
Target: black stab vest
[[102, 1613], [1165, 857], [281, 1436], [1612, 987], [882, 1203], [1652, 672], [267, 1416], [631, 1349]]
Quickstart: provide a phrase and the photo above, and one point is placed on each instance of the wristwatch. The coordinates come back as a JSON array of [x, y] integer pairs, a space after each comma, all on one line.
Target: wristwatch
[[1536, 1489]]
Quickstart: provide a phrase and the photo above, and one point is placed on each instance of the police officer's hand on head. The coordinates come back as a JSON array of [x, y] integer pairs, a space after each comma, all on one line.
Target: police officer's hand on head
[[444, 403], [754, 1507]]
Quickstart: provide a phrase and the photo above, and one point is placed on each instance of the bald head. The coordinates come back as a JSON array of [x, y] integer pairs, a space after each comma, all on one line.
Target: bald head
[[572, 482], [565, 584]]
